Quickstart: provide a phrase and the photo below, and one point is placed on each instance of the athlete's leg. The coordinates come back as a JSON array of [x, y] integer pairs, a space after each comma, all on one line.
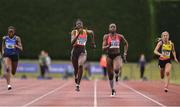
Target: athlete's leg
[[81, 61], [117, 64], [75, 66], [167, 74], [110, 74], [104, 71], [74, 59], [162, 70], [14, 67], [8, 67]]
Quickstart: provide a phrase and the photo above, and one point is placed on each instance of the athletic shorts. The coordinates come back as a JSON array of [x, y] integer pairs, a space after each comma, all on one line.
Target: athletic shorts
[[14, 58], [112, 56], [76, 52], [162, 63]]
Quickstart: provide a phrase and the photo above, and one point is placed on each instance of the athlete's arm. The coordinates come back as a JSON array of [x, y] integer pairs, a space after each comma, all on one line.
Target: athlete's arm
[[92, 37], [74, 37], [3, 45], [174, 53], [126, 45], [19, 44], [105, 46], [157, 48], [125, 48]]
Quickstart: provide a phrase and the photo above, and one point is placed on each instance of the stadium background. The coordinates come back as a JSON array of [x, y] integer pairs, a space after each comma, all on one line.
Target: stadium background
[[46, 24]]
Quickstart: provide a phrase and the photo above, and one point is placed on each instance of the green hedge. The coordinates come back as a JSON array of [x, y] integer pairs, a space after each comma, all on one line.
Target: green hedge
[[168, 19], [46, 24]]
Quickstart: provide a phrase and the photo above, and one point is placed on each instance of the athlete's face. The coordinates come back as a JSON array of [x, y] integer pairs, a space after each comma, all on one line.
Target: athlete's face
[[11, 32], [79, 24], [112, 28], [165, 36]]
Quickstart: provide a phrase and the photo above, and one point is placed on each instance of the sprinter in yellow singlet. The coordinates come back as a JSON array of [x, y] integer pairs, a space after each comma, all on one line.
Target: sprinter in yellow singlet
[[166, 47]]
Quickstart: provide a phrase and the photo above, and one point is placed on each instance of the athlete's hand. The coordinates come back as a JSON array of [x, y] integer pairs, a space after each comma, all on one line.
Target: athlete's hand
[[16, 46], [93, 45], [176, 60], [108, 46], [158, 39], [80, 31], [162, 56]]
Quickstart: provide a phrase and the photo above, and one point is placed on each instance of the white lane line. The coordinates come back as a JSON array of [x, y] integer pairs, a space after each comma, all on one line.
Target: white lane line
[[95, 93], [160, 104], [46, 94]]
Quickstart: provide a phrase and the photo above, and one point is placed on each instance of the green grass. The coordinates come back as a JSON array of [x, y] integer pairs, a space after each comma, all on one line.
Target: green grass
[[130, 70]]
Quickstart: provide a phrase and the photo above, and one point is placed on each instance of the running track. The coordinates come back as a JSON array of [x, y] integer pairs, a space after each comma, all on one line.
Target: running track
[[95, 93]]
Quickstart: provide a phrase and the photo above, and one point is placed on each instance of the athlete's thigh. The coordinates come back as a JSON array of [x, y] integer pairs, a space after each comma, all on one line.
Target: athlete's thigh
[[7, 62], [117, 62], [82, 58], [168, 67], [109, 64]]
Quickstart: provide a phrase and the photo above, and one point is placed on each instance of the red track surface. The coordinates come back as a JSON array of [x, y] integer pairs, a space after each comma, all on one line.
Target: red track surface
[[95, 93]]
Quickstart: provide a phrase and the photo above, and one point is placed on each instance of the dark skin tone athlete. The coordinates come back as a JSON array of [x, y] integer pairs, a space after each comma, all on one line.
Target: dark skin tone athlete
[[10, 65], [114, 65], [78, 64]]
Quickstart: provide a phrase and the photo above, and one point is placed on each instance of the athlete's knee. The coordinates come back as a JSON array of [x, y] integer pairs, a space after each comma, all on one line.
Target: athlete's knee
[[8, 69], [80, 63], [116, 71], [13, 72], [80, 66], [167, 73]]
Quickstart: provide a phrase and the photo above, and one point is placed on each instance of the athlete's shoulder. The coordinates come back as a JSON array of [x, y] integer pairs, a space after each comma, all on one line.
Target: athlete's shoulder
[[160, 42], [73, 32], [18, 37], [171, 42], [89, 31], [4, 37], [120, 35], [105, 35]]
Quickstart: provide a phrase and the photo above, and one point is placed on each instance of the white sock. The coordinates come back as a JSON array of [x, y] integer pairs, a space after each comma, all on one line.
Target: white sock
[[9, 85]]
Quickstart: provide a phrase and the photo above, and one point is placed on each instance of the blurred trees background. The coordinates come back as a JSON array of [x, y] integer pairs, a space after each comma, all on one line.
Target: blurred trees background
[[46, 24]]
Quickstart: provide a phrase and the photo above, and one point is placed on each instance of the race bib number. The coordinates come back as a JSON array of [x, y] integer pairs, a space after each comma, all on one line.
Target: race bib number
[[166, 53], [81, 41], [114, 44], [10, 46]]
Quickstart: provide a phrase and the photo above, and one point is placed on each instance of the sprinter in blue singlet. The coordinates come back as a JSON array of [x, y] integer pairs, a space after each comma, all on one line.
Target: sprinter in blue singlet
[[11, 46]]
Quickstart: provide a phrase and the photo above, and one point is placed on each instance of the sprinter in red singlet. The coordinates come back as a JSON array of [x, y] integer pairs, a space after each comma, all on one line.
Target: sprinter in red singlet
[[111, 44]]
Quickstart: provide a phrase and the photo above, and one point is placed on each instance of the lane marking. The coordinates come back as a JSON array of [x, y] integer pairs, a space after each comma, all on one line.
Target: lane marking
[[95, 93], [160, 104], [46, 94]]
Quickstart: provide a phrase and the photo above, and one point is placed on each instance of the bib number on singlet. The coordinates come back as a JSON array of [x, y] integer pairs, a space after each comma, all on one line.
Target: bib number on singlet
[[166, 53], [10, 46], [114, 44], [81, 41]]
